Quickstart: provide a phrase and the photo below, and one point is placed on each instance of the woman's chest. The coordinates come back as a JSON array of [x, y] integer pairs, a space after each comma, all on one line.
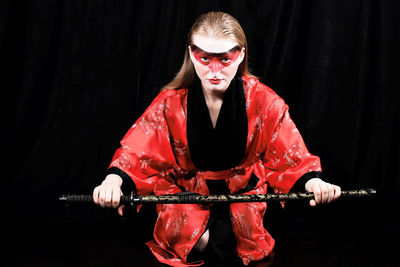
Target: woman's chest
[[258, 131]]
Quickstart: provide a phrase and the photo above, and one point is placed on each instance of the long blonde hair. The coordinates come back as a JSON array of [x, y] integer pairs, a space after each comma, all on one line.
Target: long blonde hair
[[220, 25]]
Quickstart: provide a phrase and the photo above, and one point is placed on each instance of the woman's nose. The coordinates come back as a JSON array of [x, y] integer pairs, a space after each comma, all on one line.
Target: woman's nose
[[215, 67]]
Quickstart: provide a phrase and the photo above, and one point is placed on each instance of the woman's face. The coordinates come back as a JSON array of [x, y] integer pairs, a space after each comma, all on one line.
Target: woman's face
[[215, 60]]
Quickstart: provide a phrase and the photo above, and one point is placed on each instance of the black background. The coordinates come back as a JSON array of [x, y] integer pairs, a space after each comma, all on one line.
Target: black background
[[77, 74]]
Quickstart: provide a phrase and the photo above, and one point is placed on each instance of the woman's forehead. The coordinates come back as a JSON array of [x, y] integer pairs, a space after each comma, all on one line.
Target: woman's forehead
[[212, 44]]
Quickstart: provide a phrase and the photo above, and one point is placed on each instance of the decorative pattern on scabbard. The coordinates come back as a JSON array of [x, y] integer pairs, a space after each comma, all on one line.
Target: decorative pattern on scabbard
[[191, 198]]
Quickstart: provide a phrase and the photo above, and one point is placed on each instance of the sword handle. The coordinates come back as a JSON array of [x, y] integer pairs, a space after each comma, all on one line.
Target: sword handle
[[124, 200]]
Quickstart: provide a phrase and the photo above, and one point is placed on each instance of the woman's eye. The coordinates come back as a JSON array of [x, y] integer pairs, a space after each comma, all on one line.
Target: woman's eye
[[204, 59], [225, 60]]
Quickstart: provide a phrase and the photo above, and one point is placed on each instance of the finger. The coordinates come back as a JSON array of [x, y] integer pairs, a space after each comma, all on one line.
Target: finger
[[313, 203], [116, 195], [324, 193], [317, 194], [102, 195], [121, 210], [338, 192], [108, 197], [331, 192], [96, 195]]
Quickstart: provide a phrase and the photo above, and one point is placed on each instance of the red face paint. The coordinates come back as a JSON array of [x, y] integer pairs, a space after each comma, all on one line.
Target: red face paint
[[215, 61]]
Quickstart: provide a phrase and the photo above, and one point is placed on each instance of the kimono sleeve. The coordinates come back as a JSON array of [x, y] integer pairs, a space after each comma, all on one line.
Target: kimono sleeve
[[287, 158], [145, 154]]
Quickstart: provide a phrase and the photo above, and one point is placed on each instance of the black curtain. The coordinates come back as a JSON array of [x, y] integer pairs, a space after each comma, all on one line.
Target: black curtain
[[77, 74]]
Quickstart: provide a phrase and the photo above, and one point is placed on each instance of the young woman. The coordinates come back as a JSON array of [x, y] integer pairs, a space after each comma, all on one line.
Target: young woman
[[213, 129]]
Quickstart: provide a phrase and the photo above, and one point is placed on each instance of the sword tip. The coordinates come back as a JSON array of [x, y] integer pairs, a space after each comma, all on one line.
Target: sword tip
[[371, 191]]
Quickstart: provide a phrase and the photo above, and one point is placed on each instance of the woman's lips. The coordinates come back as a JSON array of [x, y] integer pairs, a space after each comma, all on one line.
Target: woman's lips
[[215, 81]]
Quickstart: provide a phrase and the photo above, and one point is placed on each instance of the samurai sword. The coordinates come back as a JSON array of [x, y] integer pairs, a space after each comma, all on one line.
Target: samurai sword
[[192, 198]]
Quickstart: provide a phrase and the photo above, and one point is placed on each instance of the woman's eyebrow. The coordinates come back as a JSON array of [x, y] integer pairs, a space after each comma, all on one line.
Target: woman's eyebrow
[[212, 54]]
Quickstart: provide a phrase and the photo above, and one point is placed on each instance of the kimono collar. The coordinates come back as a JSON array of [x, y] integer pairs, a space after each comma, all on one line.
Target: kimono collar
[[224, 147]]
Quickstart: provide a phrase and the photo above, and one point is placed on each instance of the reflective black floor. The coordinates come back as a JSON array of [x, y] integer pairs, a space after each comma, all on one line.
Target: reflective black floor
[[91, 236]]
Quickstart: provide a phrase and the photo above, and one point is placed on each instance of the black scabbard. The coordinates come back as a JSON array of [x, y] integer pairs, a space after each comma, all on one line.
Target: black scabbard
[[191, 198]]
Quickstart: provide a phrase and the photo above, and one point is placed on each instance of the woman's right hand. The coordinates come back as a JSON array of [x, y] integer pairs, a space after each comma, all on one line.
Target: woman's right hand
[[108, 193]]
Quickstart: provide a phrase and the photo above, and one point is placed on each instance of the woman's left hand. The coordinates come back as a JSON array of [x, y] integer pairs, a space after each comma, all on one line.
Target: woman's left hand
[[324, 193]]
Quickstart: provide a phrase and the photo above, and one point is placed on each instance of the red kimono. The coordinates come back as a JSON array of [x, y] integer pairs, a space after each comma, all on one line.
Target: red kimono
[[155, 155]]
